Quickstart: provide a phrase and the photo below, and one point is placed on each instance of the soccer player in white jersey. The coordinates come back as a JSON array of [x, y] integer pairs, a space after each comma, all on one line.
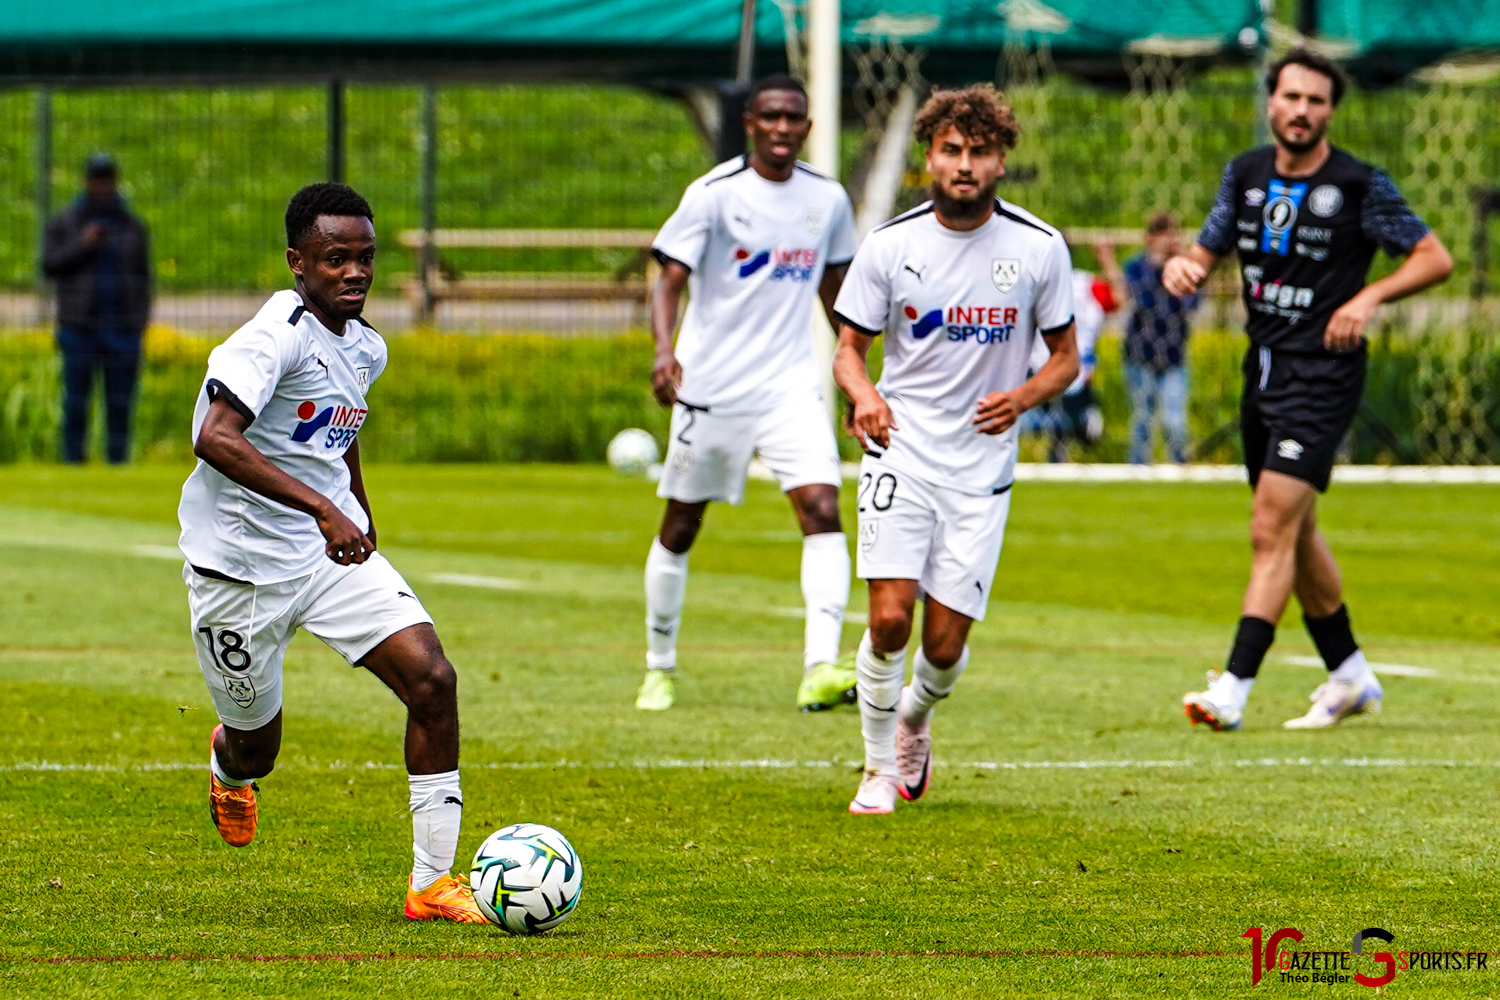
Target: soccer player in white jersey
[[755, 240], [958, 286], [277, 533]]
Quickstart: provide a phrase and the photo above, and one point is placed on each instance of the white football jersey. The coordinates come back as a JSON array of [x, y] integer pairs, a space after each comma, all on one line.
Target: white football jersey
[[757, 250], [303, 389], [1088, 317], [960, 311]]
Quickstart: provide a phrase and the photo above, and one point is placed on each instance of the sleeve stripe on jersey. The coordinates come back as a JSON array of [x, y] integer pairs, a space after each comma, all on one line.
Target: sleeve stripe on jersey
[[917, 212], [663, 258], [296, 315], [218, 390], [840, 263], [1059, 328], [1001, 211], [816, 173], [744, 165], [858, 326], [362, 322]]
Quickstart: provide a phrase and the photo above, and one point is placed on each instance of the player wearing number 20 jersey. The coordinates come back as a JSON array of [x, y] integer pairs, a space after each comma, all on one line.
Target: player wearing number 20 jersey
[[957, 290]]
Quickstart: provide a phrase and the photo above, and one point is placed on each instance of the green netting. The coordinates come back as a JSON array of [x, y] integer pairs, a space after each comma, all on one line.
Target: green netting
[[1388, 38]]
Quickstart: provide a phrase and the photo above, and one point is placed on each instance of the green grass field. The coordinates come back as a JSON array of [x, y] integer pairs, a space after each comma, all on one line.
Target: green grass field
[[1080, 839]]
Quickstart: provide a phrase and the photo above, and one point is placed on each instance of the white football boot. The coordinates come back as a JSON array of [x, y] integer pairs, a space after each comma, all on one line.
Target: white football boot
[[876, 795], [1334, 701], [913, 755], [1205, 708]]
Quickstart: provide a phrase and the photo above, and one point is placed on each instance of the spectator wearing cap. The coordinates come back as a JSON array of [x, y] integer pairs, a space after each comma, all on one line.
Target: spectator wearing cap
[[97, 253], [1156, 333]]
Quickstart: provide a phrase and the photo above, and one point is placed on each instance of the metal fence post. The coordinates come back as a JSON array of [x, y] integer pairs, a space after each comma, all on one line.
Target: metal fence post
[[336, 129], [428, 261], [43, 195]]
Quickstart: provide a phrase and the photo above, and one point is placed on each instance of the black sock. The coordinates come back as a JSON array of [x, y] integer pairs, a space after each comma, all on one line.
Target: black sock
[[1251, 641], [1333, 637]]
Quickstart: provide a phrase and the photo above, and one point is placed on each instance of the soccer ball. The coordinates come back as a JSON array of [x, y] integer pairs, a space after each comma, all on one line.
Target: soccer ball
[[632, 451], [527, 878]]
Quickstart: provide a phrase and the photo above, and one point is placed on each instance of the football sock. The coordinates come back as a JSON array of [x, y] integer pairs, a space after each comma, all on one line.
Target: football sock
[[1333, 637], [666, 582], [1251, 641], [1354, 668], [1227, 689], [224, 779], [825, 591], [880, 677], [929, 685], [437, 807]]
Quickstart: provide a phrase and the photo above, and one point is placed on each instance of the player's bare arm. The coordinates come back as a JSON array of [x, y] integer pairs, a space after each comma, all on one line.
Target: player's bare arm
[[1185, 273], [666, 295], [357, 487], [222, 444], [872, 419], [998, 411], [1428, 263], [828, 291]]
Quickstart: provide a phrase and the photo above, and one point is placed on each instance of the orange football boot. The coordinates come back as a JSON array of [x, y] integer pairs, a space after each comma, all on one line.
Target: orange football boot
[[448, 898], [232, 809]]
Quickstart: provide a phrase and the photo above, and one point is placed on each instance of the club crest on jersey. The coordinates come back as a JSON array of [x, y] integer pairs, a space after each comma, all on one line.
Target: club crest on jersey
[[343, 423], [362, 378], [815, 221], [790, 264], [1325, 200], [1005, 272], [979, 324]]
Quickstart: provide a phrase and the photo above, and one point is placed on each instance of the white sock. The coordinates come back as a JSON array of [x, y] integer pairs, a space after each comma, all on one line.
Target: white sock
[[880, 678], [666, 582], [224, 779], [1354, 668], [825, 591], [929, 685], [437, 807], [1227, 689]]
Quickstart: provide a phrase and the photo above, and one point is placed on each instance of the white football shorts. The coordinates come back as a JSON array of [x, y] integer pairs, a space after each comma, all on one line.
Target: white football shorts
[[709, 453], [241, 630], [949, 542]]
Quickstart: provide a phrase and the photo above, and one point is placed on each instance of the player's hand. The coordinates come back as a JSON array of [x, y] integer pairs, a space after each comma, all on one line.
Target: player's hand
[[1182, 276], [94, 234], [346, 543], [873, 421], [1346, 327], [996, 413], [666, 377]]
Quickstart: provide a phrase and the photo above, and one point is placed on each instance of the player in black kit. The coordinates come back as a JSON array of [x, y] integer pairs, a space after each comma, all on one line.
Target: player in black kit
[[1306, 219]]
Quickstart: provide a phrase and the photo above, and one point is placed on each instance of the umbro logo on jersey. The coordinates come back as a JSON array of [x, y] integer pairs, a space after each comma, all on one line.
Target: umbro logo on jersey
[[981, 324], [1289, 449], [792, 264], [345, 422]]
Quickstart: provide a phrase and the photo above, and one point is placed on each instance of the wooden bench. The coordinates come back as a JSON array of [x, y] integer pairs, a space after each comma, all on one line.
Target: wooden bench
[[434, 283]]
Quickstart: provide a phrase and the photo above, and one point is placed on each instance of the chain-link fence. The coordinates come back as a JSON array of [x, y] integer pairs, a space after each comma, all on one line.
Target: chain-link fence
[[501, 171]]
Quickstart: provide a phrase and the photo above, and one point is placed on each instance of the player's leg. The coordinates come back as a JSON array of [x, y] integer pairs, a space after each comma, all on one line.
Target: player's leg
[[666, 586], [880, 666], [79, 359], [1140, 384], [121, 361], [1174, 412]]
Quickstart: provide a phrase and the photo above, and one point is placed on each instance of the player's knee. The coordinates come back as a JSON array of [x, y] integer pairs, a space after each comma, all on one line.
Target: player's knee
[[1270, 531], [434, 692], [821, 516], [252, 761], [944, 652], [890, 628]]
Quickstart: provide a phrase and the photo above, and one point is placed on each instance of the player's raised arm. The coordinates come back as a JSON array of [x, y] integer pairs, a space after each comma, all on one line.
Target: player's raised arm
[[872, 420], [222, 444], [666, 295], [1185, 273]]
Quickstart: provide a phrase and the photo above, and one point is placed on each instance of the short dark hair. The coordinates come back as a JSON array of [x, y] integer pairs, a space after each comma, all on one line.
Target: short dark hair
[[1161, 222], [978, 111], [326, 198], [1308, 59], [777, 81]]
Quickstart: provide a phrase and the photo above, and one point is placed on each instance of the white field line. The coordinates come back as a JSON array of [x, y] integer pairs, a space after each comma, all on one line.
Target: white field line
[[1398, 669], [157, 552], [1102, 472], [849, 616], [469, 580], [769, 764]]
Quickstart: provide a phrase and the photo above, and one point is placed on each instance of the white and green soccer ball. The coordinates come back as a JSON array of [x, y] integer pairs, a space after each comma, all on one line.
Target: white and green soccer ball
[[527, 878], [632, 451]]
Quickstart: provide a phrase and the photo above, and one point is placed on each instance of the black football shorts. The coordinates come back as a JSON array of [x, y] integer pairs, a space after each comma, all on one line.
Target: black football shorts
[[1296, 409]]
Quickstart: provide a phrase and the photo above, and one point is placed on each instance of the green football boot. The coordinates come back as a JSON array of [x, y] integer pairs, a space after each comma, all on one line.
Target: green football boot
[[658, 691], [825, 685]]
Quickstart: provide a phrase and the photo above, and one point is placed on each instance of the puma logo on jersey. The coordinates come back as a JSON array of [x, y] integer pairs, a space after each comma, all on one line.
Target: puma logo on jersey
[[908, 267]]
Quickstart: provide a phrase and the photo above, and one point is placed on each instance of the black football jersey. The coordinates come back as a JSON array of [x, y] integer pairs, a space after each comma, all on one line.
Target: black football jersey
[[1305, 243]]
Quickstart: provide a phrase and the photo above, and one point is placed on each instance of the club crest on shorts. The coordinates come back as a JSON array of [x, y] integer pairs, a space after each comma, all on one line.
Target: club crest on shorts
[[869, 531], [1005, 272], [240, 689]]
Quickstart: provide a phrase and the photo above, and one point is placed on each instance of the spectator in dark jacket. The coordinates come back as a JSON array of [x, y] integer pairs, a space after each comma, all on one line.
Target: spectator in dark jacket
[[96, 251], [1156, 333]]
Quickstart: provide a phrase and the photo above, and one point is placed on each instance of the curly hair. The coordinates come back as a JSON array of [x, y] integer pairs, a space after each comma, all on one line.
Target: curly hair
[[314, 200], [978, 111]]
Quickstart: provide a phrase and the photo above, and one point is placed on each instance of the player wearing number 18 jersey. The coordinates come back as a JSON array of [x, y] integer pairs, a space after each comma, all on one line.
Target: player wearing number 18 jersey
[[277, 533], [958, 288]]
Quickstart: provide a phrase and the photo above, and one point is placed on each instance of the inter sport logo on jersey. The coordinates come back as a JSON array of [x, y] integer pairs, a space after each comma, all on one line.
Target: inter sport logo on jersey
[[343, 423], [794, 264], [980, 324]]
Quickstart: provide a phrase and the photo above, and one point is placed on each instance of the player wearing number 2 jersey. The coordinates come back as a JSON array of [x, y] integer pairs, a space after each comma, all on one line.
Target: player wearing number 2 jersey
[[759, 240], [278, 536], [958, 287]]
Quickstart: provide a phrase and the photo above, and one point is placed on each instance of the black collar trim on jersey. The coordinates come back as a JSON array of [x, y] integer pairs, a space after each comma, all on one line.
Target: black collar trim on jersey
[[744, 165], [296, 315], [809, 170], [1001, 211], [361, 321], [915, 213]]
